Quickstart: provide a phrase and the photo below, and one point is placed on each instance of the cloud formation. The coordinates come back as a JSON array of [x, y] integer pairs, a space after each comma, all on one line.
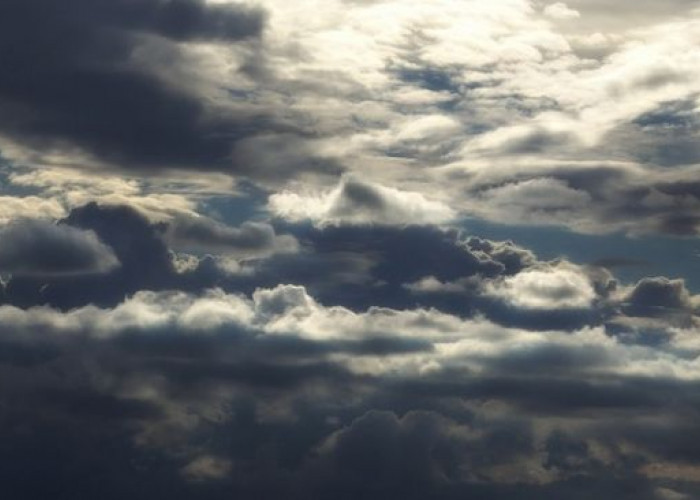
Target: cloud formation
[[355, 202], [35, 247], [349, 249], [85, 77], [204, 234], [171, 366]]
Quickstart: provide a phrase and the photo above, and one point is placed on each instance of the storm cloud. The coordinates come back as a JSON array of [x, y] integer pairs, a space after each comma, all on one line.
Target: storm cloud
[[74, 79], [46, 249], [349, 249]]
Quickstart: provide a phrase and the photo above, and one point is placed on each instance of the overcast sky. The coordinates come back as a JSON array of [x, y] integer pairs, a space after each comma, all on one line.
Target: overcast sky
[[349, 249]]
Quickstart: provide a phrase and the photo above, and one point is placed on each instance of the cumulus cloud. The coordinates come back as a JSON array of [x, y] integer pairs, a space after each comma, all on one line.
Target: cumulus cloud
[[421, 95], [553, 288], [251, 239], [39, 248], [660, 297], [177, 376], [159, 198], [355, 202], [55, 99], [232, 249], [560, 10]]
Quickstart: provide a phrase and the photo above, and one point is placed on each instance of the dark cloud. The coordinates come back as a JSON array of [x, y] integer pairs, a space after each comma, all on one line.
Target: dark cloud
[[658, 296], [354, 267], [71, 79], [513, 257], [145, 262], [681, 223], [359, 267], [202, 234], [663, 299], [359, 351], [40, 248], [536, 142], [330, 447], [281, 413], [534, 319], [666, 136]]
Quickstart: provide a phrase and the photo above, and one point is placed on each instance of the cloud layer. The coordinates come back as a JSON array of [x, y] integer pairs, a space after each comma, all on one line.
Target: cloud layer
[[349, 249], [458, 406]]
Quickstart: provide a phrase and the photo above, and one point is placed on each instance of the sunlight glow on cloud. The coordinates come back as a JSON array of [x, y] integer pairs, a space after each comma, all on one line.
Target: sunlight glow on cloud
[[358, 203], [349, 249]]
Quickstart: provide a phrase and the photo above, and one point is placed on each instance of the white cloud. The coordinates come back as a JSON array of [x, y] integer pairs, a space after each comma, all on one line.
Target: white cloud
[[560, 10], [29, 207], [158, 198], [535, 201], [392, 91], [288, 310], [356, 202], [546, 288]]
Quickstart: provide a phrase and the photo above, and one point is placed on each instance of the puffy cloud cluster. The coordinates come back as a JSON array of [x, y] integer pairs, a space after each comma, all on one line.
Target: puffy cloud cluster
[[99, 91], [465, 364], [233, 260], [250, 239], [355, 202], [503, 111], [548, 289], [41, 248], [254, 395]]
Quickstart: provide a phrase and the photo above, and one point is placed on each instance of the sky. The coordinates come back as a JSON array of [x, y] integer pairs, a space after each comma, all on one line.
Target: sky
[[349, 249]]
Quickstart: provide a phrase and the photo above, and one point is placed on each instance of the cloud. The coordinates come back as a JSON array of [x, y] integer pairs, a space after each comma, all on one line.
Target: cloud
[[207, 467], [159, 198], [98, 91], [554, 288], [355, 202], [200, 386], [424, 99], [145, 261], [28, 207], [38, 248], [251, 239], [244, 272], [560, 10], [534, 200], [659, 296]]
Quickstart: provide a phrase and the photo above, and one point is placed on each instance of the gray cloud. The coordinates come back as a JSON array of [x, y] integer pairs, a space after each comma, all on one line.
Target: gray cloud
[[39, 248], [73, 80], [304, 321], [202, 388], [251, 239], [659, 296]]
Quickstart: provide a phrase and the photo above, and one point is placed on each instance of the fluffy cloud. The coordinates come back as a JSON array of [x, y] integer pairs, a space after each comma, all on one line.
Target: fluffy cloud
[[204, 234], [56, 96], [523, 87], [174, 375], [356, 202], [660, 297], [34, 247], [232, 260], [560, 10], [554, 288], [27, 207]]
